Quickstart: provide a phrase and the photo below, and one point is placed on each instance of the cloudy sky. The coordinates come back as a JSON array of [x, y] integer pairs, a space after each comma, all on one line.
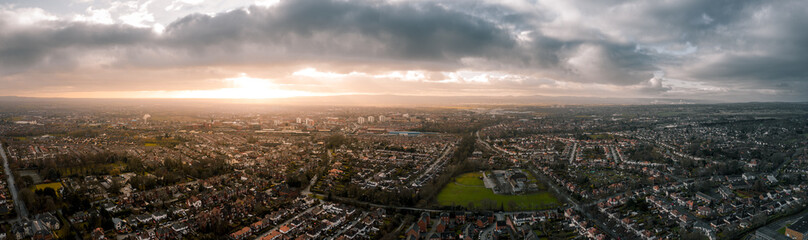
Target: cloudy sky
[[733, 50]]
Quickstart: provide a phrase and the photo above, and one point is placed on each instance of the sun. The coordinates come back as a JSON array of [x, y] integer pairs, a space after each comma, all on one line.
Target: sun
[[245, 87]]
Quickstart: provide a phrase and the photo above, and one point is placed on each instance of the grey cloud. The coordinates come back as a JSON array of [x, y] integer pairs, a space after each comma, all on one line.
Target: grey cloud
[[53, 46], [421, 35], [610, 43], [424, 32]]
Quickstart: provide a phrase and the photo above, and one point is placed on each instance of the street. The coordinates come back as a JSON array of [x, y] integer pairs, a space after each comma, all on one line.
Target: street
[[22, 212]]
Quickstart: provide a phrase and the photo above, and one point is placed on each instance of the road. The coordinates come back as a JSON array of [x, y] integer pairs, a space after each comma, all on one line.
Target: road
[[306, 191], [434, 165], [22, 212]]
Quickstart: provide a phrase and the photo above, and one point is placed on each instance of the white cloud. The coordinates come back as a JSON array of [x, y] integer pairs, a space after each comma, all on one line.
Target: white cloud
[[25, 16], [100, 16], [267, 3]]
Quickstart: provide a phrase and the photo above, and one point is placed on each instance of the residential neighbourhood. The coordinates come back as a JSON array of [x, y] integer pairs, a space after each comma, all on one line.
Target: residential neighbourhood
[[523, 173]]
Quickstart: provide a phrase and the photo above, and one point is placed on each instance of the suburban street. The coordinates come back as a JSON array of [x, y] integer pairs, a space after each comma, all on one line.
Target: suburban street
[[22, 212]]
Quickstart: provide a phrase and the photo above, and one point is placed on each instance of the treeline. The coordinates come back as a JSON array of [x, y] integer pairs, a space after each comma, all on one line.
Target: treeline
[[43, 200], [336, 140], [645, 153], [79, 165], [459, 127], [459, 163], [172, 171]]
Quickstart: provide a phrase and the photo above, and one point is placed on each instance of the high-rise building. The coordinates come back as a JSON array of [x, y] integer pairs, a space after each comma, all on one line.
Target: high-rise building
[[382, 118], [360, 120], [371, 119], [309, 121], [299, 120]]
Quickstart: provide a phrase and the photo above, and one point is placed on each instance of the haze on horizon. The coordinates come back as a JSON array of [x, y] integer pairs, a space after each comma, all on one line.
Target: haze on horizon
[[705, 50]]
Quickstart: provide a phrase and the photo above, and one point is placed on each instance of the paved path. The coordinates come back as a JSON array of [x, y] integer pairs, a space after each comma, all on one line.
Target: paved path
[[22, 212]]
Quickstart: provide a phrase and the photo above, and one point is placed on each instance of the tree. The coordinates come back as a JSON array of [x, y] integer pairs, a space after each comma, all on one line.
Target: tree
[[513, 206], [116, 186], [28, 197]]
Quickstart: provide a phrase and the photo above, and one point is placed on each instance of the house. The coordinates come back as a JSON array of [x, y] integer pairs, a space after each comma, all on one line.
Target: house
[[704, 197], [50, 221], [163, 233], [501, 225], [118, 224], [40, 231], [194, 202], [441, 227], [143, 218], [414, 231], [799, 229], [423, 222], [522, 218], [285, 229], [241, 234], [180, 228], [725, 192], [771, 179], [110, 207], [272, 235], [159, 216], [98, 234], [444, 216]]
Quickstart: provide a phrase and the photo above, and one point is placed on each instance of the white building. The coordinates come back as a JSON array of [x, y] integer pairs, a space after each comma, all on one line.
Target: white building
[[371, 119], [360, 120]]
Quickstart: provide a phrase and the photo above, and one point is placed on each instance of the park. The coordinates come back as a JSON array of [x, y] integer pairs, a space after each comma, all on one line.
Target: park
[[468, 190]]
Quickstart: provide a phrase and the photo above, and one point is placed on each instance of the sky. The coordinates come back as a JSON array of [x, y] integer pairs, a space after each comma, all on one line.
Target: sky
[[719, 50]]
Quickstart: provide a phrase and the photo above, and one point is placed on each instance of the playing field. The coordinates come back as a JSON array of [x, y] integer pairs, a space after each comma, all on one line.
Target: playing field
[[55, 185], [469, 188]]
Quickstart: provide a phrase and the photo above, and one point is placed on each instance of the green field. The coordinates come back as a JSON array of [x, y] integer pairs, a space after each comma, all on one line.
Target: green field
[[55, 185], [469, 188]]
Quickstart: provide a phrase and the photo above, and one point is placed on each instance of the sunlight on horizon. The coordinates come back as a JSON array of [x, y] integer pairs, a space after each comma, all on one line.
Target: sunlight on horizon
[[244, 87]]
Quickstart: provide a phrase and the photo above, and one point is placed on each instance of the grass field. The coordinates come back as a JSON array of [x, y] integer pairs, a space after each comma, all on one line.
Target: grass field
[[55, 185], [782, 230], [469, 188]]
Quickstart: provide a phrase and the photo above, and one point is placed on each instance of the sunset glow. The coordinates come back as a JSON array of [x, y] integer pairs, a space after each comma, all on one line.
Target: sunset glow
[[243, 87]]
